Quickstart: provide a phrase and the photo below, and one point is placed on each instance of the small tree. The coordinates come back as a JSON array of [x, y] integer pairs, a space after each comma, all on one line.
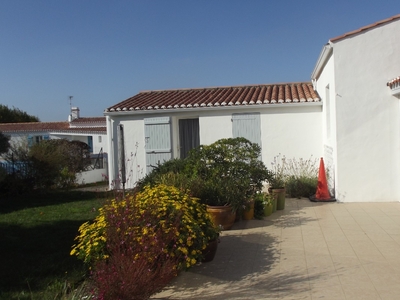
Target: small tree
[[56, 162], [15, 115], [50, 163]]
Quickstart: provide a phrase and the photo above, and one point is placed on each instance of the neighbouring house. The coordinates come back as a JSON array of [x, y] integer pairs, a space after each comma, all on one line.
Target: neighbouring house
[[90, 130], [357, 77], [349, 114], [154, 126]]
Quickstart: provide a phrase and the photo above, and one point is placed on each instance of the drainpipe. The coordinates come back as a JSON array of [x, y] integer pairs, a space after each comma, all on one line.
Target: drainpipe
[[121, 148]]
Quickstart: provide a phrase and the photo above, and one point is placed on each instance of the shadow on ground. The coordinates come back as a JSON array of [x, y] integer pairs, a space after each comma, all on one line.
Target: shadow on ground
[[245, 265]]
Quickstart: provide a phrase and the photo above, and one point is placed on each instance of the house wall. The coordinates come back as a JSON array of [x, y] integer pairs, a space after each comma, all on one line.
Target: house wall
[[291, 130], [327, 91], [367, 116], [92, 176], [135, 154]]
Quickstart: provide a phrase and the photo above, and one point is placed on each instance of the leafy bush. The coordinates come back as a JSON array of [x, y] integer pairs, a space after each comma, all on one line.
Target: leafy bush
[[137, 244], [55, 162], [259, 205], [135, 271], [227, 172], [50, 163], [279, 176], [301, 177], [297, 187]]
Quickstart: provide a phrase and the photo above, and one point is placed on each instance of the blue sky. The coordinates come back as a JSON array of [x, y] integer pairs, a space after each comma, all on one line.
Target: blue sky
[[102, 52]]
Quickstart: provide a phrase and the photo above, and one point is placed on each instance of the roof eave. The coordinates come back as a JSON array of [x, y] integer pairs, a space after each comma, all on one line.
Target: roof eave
[[323, 58], [208, 108]]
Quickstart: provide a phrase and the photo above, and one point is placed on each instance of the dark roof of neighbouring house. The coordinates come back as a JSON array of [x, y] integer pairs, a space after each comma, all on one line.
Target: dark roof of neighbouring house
[[219, 97], [89, 120], [376, 24], [61, 127]]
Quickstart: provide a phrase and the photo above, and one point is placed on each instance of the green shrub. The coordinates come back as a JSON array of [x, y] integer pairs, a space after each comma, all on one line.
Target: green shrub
[[227, 172], [297, 187], [259, 205], [301, 177]]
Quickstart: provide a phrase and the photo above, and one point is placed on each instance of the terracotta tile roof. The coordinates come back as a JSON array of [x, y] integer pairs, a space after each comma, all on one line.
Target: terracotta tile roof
[[219, 96], [33, 126], [365, 28], [63, 127], [394, 81]]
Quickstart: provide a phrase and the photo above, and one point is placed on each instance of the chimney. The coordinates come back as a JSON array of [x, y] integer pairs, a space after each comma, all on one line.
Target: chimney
[[74, 113]]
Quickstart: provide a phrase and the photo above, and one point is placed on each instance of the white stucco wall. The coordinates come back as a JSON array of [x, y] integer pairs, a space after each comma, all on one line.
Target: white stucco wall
[[367, 116], [135, 154], [214, 127], [293, 132], [326, 89]]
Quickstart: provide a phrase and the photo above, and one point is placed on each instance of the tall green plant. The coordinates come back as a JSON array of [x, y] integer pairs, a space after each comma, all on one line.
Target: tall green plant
[[301, 176], [229, 171]]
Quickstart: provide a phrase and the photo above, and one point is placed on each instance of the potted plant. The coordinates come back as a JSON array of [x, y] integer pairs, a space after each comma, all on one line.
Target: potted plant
[[277, 181], [248, 209], [223, 175], [228, 173], [269, 200]]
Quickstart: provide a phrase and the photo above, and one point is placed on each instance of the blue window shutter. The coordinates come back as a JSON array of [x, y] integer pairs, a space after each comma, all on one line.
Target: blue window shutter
[[30, 141], [247, 126], [157, 141], [90, 143], [46, 137]]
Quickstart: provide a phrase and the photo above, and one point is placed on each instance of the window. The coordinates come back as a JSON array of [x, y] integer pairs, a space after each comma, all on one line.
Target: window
[[99, 138], [38, 139]]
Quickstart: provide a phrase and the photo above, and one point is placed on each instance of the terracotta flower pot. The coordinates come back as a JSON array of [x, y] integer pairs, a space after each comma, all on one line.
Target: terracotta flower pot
[[222, 216]]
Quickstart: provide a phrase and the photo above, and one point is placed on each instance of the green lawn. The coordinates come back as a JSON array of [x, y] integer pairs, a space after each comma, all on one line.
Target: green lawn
[[36, 234]]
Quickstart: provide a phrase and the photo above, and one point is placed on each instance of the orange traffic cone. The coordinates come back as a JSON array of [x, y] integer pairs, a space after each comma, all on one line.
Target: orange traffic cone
[[322, 193]]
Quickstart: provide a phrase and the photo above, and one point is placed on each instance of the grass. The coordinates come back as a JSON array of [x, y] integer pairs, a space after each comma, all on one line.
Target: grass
[[36, 235]]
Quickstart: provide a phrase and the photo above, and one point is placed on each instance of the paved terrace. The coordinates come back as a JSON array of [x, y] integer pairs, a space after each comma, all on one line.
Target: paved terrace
[[308, 251]]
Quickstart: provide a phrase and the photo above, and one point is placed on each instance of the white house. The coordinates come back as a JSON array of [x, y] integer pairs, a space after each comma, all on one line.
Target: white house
[[90, 130], [356, 76], [350, 115], [154, 126]]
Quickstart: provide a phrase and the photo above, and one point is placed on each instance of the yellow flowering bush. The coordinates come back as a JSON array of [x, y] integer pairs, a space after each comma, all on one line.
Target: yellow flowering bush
[[140, 221], [91, 240]]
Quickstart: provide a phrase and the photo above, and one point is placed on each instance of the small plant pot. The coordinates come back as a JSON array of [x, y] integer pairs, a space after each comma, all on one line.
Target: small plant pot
[[274, 202], [248, 212], [268, 210], [280, 197]]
